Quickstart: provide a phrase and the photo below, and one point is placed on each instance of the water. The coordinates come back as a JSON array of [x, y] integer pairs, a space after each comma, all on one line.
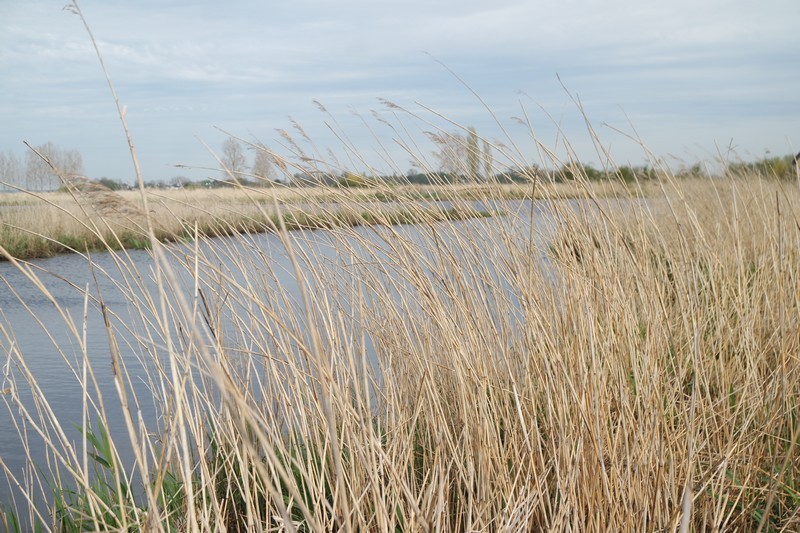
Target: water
[[35, 320]]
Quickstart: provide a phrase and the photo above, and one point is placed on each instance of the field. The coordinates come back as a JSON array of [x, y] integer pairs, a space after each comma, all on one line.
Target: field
[[619, 362], [94, 218]]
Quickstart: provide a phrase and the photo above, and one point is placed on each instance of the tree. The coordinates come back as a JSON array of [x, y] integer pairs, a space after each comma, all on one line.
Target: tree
[[70, 162], [781, 167], [451, 152], [10, 169], [114, 185], [233, 160], [488, 160], [179, 182], [473, 154], [579, 171], [459, 155], [352, 179], [263, 169], [47, 165], [38, 173]]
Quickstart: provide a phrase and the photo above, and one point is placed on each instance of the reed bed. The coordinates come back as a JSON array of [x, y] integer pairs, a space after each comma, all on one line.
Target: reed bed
[[92, 218], [46, 224], [605, 364], [594, 361], [595, 357]]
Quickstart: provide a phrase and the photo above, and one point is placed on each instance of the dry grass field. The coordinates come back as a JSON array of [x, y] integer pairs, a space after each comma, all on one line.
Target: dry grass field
[[91, 219], [614, 357], [636, 370]]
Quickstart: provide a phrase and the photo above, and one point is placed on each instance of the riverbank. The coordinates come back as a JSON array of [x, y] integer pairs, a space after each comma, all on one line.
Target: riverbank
[[37, 225]]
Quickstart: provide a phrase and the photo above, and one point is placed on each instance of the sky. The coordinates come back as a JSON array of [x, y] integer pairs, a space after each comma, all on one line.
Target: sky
[[683, 81]]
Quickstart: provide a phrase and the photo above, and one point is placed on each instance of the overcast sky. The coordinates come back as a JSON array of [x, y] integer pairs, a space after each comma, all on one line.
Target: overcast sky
[[691, 77]]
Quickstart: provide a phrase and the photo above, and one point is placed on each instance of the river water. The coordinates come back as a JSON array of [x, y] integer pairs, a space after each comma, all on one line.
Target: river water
[[43, 319]]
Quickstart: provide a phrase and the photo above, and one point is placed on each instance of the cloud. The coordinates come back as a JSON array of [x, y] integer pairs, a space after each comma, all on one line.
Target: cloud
[[686, 72]]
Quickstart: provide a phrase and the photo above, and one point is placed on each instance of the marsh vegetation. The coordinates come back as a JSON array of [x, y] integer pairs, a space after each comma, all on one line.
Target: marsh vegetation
[[611, 353], [606, 364]]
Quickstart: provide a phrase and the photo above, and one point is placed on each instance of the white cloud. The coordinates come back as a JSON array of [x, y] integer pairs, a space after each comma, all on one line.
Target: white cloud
[[689, 71]]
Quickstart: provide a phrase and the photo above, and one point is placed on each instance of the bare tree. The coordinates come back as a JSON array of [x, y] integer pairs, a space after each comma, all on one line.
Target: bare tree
[[488, 160], [70, 163], [47, 165], [179, 181], [234, 161], [38, 174], [473, 154], [461, 155], [10, 169], [451, 152], [263, 169]]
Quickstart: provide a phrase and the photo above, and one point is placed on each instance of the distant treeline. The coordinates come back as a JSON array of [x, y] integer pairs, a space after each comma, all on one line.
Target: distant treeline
[[775, 167], [459, 159]]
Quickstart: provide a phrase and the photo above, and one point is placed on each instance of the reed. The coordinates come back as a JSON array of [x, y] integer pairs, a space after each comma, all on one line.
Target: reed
[[615, 363], [54, 223], [92, 218], [584, 370]]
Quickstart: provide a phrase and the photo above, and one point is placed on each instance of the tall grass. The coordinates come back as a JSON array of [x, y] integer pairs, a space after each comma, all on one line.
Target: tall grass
[[618, 364], [614, 364]]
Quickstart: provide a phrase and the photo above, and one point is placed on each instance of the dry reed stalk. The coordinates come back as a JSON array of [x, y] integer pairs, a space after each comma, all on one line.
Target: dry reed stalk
[[613, 364], [510, 391]]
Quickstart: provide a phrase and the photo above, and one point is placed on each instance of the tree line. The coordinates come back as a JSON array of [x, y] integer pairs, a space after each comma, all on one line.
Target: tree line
[[461, 157], [458, 157], [32, 172]]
